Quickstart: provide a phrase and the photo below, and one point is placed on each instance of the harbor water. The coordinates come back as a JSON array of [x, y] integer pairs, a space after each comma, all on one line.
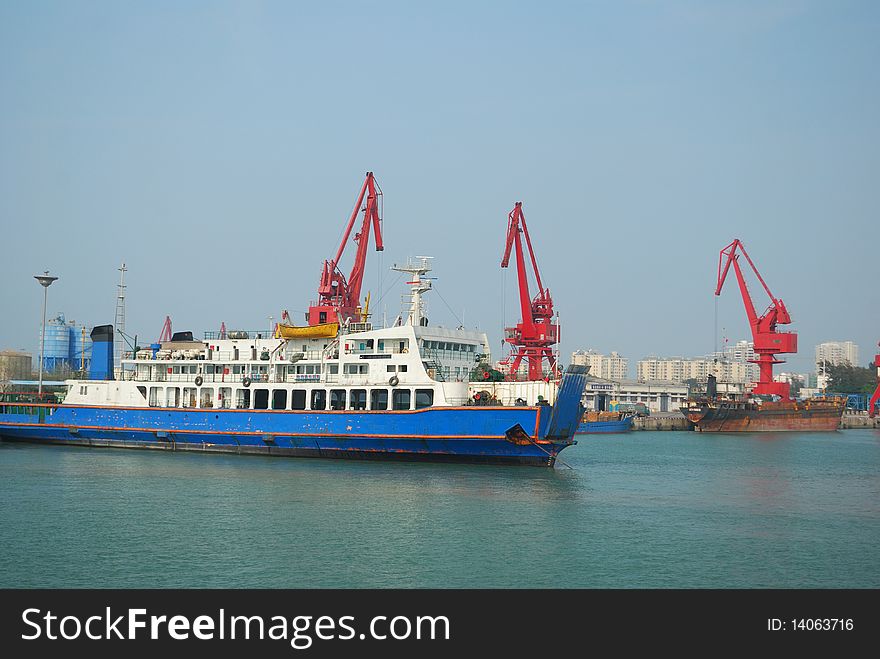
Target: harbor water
[[636, 510]]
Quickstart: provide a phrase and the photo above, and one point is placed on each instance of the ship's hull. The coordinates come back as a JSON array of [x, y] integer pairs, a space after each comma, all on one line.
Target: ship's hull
[[500, 435], [437, 434], [814, 415], [621, 425]]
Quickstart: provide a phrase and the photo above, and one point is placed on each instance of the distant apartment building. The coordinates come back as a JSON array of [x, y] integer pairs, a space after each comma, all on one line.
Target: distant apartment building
[[834, 353], [837, 352], [679, 369], [609, 367], [743, 352]]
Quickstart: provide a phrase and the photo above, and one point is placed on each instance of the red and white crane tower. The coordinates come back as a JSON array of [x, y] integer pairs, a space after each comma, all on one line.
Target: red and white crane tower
[[872, 404], [536, 332], [768, 341], [338, 296]]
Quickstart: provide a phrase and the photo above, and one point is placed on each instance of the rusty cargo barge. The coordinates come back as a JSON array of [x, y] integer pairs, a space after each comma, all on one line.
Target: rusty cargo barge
[[712, 415]]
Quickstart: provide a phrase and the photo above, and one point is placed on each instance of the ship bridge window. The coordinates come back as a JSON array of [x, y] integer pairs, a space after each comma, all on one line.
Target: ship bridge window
[[207, 399], [319, 399], [243, 399], [337, 399], [298, 399], [261, 399], [279, 399], [400, 399], [379, 399], [424, 398], [358, 399]]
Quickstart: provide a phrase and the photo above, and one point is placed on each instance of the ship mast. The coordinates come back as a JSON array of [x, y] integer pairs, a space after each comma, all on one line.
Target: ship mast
[[419, 284]]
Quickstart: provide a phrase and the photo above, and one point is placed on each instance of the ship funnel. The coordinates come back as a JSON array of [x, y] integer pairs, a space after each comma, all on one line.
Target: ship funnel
[[102, 353]]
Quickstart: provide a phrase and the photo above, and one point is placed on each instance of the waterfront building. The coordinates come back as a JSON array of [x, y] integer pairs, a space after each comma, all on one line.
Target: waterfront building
[[14, 365], [601, 394]]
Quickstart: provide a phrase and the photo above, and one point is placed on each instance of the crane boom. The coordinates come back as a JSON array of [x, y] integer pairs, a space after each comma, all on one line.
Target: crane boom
[[768, 341], [536, 332], [338, 296]]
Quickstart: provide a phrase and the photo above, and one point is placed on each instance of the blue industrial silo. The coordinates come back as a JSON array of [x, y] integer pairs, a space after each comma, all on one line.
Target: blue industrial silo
[[56, 348]]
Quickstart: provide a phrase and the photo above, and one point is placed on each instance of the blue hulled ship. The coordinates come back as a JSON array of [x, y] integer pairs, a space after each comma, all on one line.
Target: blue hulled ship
[[333, 390]]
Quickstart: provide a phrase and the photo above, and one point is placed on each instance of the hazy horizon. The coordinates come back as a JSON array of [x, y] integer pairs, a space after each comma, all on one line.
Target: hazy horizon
[[218, 149]]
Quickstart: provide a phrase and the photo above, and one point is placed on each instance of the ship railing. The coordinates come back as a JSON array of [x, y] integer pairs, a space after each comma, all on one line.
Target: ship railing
[[239, 334], [38, 411]]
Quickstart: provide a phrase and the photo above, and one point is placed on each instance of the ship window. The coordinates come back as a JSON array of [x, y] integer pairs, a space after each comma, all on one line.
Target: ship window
[[225, 397], [154, 396], [189, 396], [358, 399], [319, 399], [172, 397], [209, 369], [142, 390], [207, 397], [424, 398], [401, 368], [400, 399], [261, 399], [279, 399], [298, 399], [391, 368], [333, 369], [243, 399], [337, 399], [379, 399], [356, 369], [236, 369]]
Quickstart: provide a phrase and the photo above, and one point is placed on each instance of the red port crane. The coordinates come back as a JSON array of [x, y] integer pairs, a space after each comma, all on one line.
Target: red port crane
[[338, 296], [165, 334], [536, 332], [872, 405], [768, 341]]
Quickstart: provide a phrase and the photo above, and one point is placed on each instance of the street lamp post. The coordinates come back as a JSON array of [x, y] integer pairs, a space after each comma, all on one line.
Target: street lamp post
[[45, 281]]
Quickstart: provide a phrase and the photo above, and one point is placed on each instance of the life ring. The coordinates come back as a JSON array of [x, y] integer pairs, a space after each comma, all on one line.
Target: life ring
[[199, 380], [393, 380], [246, 381]]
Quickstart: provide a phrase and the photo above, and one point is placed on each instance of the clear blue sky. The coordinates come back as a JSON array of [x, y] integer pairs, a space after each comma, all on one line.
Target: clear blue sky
[[217, 148]]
